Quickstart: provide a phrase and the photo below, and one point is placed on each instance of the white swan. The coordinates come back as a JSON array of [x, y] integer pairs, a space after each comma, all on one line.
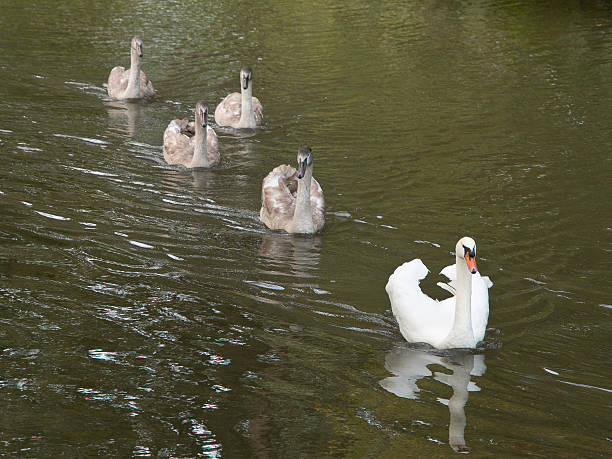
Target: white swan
[[200, 150], [240, 110], [293, 200], [456, 322], [131, 83]]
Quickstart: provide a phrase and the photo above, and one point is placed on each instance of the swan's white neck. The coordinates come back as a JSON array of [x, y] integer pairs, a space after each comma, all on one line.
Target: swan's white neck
[[462, 334], [247, 115], [302, 217], [200, 152], [133, 88]]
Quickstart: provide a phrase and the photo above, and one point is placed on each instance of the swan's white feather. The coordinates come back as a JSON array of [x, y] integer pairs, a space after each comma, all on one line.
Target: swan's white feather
[[424, 319]]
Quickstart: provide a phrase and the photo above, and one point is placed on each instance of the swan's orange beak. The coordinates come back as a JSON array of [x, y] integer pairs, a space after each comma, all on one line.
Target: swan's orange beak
[[471, 263]]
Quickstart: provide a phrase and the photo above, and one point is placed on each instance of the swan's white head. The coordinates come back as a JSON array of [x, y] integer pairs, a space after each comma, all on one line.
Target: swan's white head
[[304, 158], [246, 76], [137, 45], [466, 249], [202, 113]]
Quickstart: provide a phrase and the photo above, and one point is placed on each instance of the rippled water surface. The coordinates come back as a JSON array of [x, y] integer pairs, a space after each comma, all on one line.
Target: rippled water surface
[[145, 310]]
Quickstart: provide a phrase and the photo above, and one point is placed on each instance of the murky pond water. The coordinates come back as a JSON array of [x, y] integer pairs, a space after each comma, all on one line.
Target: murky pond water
[[146, 311]]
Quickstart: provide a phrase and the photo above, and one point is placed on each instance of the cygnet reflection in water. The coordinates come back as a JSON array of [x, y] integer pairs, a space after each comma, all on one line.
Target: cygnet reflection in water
[[300, 254], [411, 365], [125, 115], [182, 181]]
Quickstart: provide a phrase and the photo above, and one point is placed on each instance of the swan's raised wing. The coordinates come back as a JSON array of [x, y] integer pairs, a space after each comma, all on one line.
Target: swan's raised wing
[[146, 87], [451, 273], [178, 148], [277, 201], [317, 204], [228, 111], [212, 146], [420, 318], [117, 81], [258, 111]]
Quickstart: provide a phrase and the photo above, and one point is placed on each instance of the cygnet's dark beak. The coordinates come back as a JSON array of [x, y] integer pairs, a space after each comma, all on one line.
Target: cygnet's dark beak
[[245, 82], [302, 167]]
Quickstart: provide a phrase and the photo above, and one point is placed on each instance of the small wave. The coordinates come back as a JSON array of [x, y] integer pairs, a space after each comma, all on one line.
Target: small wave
[[141, 244], [24, 147], [53, 216], [266, 285], [89, 171], [84, 139], [427, 242]]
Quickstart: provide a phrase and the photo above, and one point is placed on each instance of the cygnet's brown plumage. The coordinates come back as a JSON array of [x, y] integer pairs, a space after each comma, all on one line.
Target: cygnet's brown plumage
[[131, 83], [240, 110], [200, 150], [292, 200]]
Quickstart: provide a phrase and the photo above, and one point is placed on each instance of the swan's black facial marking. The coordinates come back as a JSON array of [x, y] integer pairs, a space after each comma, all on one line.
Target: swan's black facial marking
[[469, 252]]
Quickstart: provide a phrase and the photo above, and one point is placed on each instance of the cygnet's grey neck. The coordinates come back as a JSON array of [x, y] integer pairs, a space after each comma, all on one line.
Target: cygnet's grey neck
[[302, 218], [133, 88], [200, 152], [247, 115]]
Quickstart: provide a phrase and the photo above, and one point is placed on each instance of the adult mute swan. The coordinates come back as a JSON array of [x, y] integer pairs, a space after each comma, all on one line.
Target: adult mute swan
[[240, 110], [131, 83], [456, 322], [293, 200], [200, 150]]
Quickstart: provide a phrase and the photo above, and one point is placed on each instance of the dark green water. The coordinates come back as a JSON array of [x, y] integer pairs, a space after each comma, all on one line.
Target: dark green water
[[145, 310]]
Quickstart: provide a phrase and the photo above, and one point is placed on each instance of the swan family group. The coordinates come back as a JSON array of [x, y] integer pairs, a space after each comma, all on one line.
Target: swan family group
[[292, 200]]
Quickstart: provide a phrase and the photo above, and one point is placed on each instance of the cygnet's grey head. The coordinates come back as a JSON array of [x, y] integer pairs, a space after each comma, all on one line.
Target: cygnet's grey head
[[466, 248], [245, 77], [304, 158], [202, 113], [137, 45]]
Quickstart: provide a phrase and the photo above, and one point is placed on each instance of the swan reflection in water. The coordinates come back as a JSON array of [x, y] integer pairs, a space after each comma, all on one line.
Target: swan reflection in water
[[410, 365], [125, 115], [301, 254]]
